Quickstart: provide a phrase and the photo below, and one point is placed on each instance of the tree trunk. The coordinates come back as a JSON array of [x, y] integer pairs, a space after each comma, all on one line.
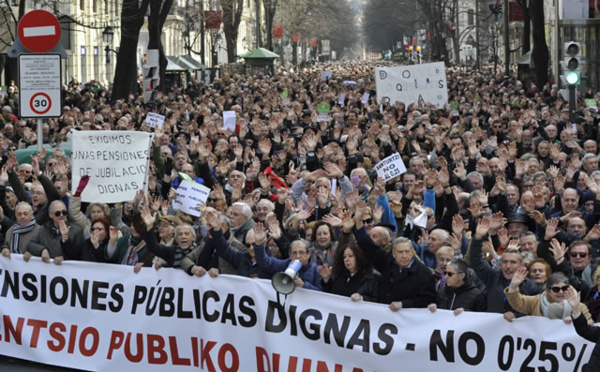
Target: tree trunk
[[132, 20], [270, 9], [540, 52], [159, 10], [232, 15], [526, 27]]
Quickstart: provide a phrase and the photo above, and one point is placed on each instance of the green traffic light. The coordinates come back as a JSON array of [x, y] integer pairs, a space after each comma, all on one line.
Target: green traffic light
[[572, 78]]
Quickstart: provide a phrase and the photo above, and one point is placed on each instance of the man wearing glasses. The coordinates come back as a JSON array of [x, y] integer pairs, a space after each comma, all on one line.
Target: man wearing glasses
[[55, 236]]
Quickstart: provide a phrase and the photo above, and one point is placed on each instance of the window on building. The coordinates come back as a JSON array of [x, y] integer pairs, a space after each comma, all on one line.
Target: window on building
[[471, 17]]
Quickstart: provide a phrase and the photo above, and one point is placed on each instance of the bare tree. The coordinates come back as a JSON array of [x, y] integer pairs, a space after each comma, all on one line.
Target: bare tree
[[270, 7], [232, 16], [132, 20], [159, 10]]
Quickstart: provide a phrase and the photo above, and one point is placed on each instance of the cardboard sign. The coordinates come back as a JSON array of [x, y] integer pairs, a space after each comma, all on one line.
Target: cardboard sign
[[155, 120], [412, 84], [390, 167], [365, 98], [323, 108], [325, 75], [116, 161], [229, 120], [189, 195]]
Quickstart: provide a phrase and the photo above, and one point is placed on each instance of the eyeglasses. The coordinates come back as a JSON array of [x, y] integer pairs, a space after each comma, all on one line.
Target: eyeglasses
[[96, 228], [580, 254], [558, 289], [449, 274], [51, 164], [58, 213], [24, 171]]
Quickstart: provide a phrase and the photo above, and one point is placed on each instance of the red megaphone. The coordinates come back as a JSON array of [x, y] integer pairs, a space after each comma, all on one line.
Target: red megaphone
[[275, 180]]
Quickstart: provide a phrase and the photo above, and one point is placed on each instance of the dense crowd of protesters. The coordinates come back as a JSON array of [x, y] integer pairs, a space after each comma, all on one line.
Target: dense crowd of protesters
[[506, 187]]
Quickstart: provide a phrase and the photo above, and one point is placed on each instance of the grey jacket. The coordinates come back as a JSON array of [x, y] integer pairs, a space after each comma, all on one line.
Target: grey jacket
[[49, 238]]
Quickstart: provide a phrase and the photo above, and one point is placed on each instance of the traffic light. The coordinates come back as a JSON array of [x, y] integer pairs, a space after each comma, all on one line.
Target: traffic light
[[418, 54], [411, 53], [150, 76], [572, 63]]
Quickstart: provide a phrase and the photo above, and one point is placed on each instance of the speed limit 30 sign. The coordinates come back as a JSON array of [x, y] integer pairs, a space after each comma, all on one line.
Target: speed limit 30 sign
[[40, 85]]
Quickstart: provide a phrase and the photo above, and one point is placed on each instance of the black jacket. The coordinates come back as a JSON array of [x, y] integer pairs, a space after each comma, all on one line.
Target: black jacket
[[414, 285], [467, 296], [495, 281], [365, 283], [592, 334]]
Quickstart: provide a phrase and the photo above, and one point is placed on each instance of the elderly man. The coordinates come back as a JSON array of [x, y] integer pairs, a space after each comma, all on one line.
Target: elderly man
[[240, 215], [20, 234], [308, 276], [55, 236], [497, 280], [406, 281], [569, 201]]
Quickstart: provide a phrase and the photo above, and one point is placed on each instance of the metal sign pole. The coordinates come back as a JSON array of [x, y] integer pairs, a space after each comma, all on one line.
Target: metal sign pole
[[40, 134]]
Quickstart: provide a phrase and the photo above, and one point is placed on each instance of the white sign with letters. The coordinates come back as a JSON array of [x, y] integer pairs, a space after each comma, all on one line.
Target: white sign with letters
[[40, 87], [116, 161], [153, 119], [189, 195], [424, 83], [390, 167]]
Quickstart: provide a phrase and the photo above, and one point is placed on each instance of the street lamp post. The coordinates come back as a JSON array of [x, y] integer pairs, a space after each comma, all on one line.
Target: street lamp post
[[108, 36]]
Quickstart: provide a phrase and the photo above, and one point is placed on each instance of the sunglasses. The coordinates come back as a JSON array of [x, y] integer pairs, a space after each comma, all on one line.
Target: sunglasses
[[580, 254], [558, 289], [368, 221], [58, 213], [449, 274]]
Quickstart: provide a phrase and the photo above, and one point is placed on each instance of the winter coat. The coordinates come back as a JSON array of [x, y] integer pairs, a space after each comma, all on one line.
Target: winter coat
[[365, 283], [413, 285], [467, 296]]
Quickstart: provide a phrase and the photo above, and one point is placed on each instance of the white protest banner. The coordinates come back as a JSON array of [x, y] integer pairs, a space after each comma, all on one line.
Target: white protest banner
[[412, 84], [390, 167], [103, 317], [116, 161], [189, 195], [153, 119], [229, 120], [342, 99]]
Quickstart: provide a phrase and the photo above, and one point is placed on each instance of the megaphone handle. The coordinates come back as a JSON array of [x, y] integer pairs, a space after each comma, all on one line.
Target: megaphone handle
[[284, 300]]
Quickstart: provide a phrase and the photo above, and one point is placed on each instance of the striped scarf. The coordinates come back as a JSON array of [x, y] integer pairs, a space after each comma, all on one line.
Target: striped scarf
[[17, 231]]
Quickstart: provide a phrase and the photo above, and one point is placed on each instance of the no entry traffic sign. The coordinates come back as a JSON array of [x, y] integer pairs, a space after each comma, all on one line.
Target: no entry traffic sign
[[40, 85], [39, 31]]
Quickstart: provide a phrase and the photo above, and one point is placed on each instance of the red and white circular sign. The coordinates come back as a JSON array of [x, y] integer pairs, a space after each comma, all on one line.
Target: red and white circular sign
[[39, 31], [40, 103]]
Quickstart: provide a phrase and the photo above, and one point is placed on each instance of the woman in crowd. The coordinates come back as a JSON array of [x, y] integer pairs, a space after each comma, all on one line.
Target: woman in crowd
[[323, 246], [552, 303], [351, 275]]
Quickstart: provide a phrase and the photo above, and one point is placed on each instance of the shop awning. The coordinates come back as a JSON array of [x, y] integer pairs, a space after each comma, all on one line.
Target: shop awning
[[190, 63], [173, 65]]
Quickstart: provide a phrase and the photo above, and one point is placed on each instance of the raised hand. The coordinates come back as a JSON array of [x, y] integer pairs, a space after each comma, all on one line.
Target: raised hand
[[458, 224], [332, 220], [483, 227], [259, 233], [518, 278], [558, 249], [325, 272], [275, 230]]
